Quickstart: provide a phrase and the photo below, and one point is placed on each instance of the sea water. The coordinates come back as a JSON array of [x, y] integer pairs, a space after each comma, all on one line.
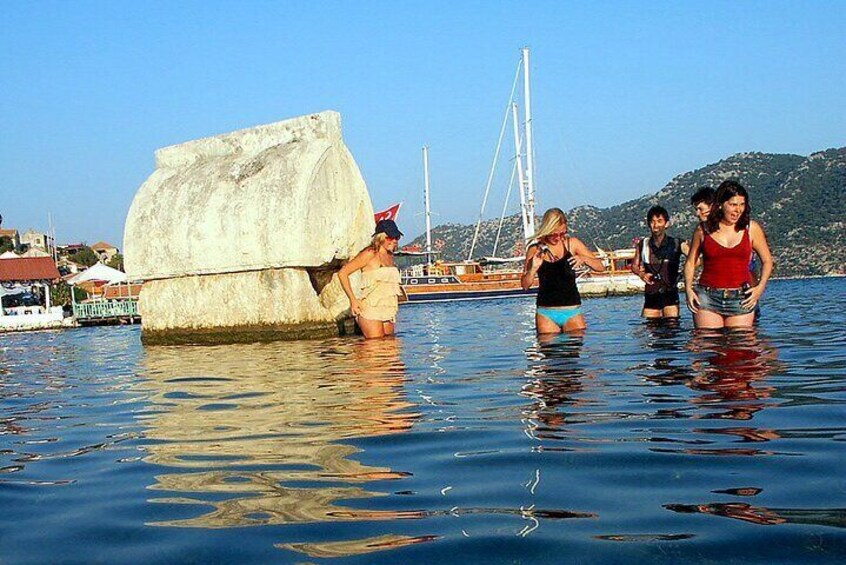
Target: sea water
[[464, 439]]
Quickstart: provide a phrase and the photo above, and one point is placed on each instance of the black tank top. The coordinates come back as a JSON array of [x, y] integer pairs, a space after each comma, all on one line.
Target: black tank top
[[557, 283], [662, 262]]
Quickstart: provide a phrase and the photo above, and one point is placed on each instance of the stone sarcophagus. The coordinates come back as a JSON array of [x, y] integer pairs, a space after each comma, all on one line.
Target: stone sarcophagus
[[238, 237]]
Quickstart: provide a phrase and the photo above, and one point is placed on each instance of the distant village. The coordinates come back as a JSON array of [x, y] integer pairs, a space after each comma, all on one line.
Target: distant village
[[44, 285]]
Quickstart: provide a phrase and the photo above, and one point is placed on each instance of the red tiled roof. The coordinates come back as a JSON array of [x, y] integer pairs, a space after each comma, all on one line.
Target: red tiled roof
[[28, 269], [8, 233], [102, 245]]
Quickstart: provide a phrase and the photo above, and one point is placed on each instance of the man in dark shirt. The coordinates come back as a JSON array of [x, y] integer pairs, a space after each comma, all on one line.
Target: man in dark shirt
[[656, 262]]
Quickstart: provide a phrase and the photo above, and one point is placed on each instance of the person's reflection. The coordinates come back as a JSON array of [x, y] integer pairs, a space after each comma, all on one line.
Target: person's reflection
[[830, 517], [737, 510], [731, 375], [556, 379], [665, 337], [253, 430]]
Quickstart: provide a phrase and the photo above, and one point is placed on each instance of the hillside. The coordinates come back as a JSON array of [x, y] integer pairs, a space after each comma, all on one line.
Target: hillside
[[800, 201]]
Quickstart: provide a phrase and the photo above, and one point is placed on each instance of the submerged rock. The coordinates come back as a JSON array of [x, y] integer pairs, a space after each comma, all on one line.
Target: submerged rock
[[238, 236]]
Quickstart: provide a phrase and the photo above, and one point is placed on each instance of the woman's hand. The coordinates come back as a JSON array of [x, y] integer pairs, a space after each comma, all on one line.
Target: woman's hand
[[692, 301], [753, 294], [577, 262], [537, 261], [355, 307]]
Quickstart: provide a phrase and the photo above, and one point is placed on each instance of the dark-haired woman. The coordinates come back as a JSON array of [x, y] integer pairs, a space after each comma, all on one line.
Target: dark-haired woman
[[726, 295]]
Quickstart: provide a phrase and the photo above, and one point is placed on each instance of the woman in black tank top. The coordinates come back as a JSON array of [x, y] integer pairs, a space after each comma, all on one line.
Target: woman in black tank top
[[554, 258]]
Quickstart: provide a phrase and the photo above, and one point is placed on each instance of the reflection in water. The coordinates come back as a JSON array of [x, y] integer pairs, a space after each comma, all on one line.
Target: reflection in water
[[732, 374], [638, 442], [264, 426], [729, 376], [556, 381], [832, 517], [665, 338], [355, 547]]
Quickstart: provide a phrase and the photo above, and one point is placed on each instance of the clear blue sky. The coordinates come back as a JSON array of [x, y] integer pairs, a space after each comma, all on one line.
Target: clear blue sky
[[626, 94]]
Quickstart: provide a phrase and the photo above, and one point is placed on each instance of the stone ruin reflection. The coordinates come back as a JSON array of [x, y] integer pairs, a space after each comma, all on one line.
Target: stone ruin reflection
[[247, 422]]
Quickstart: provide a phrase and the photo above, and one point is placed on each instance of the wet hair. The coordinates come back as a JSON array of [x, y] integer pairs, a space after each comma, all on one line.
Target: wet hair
[[704, 194], [551, 222], [657, 211], [726, 191]]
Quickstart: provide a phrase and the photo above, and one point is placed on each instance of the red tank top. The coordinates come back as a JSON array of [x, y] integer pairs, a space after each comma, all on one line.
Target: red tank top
[[726, 267]]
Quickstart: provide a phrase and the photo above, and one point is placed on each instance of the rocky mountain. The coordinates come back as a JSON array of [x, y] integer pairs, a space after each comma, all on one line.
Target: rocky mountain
[[800, 201]]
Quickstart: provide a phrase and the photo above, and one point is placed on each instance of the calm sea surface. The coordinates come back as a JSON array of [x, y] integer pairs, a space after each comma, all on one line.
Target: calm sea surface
[[464, 439]]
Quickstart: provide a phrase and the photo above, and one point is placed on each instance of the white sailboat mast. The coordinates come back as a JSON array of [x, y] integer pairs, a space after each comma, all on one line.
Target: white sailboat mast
[[426, 204], [530, 154], [520, 178]]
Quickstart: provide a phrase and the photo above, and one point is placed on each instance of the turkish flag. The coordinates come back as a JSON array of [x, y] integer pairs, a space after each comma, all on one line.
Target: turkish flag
[[389, 214]]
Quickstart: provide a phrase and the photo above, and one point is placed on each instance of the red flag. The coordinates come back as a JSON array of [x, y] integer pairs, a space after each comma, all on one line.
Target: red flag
[[389, 214]]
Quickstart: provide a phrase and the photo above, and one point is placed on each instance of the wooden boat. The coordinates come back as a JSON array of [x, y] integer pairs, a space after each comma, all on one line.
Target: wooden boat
[[498, 277], [617, 279], [465, 280], [491, 277]]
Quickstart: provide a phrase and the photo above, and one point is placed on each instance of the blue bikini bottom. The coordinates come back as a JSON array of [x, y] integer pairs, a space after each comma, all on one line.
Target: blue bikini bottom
[[560, 317]]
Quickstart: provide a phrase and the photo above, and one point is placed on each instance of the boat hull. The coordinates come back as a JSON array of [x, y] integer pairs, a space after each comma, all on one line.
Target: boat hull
[[445, 288], [443, 295]]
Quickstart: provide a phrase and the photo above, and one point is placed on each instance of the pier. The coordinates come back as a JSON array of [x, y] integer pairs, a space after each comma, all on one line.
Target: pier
[[105, 312]]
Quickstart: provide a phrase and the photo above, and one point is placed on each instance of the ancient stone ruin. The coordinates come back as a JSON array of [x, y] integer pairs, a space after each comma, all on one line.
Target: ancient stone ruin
[[238, 237]]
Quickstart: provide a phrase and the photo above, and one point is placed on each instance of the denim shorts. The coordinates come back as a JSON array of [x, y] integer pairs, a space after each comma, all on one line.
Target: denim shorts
[[723, 301]]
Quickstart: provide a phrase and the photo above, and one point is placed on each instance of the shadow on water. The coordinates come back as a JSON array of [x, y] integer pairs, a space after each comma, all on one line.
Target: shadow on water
[[259, 433]]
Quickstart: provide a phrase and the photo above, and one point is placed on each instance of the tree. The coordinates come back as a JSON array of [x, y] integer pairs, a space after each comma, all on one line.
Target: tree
[[60, 294], [85, 256], [6, 244], [116, 262]]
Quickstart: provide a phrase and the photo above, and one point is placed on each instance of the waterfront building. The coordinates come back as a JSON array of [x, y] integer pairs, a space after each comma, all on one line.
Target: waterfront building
[[105, 250], [25, 284], [13, 236], [38, 240]]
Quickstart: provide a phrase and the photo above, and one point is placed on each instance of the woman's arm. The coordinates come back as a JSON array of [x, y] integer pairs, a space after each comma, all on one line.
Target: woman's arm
[[759, 244], [534, 260], [355, 264], [690, 269], [584, 256]]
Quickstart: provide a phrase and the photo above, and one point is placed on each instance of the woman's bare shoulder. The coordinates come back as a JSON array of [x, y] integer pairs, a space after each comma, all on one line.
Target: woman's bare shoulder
[[754, 226]]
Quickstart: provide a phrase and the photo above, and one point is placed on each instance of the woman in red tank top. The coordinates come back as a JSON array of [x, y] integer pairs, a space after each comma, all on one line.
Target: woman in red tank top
[[726, 295]]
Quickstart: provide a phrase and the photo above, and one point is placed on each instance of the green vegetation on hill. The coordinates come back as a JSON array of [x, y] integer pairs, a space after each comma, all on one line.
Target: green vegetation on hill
[[800, 201]]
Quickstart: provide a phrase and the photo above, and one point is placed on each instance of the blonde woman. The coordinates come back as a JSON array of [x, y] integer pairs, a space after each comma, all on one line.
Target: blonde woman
[[375, 307], [553, 257]]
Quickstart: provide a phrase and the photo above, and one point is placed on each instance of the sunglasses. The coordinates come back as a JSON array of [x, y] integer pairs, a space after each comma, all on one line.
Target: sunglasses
[[556, 236]]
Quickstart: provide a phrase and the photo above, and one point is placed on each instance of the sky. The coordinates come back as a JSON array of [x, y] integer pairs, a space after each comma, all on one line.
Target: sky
[[625, 94]]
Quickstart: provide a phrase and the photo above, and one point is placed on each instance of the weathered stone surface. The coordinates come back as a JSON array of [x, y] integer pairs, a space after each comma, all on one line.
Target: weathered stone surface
[[241, 233]]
